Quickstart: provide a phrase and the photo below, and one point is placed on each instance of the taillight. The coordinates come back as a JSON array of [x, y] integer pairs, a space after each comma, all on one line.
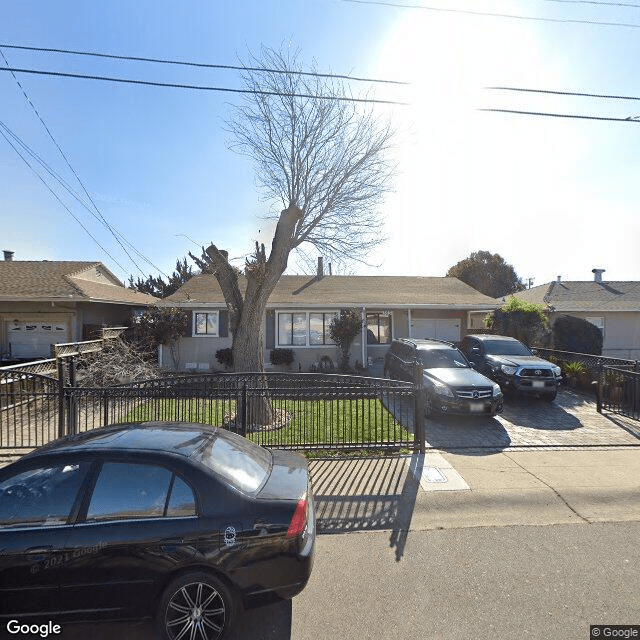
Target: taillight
[[299, 520]]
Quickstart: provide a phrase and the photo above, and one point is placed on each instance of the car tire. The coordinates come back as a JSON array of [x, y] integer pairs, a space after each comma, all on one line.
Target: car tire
[[550, 397], [195, 605]]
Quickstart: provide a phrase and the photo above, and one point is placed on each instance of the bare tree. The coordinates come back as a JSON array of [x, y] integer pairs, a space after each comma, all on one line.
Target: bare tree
[[323, 157]]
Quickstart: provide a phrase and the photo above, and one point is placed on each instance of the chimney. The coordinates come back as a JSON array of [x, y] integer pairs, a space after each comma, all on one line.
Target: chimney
[[8, 255], [320, 267], [597, 274], [559, 279]]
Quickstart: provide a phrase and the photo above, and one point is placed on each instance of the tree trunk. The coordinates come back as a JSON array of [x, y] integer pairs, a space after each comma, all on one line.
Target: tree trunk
[[248, 356]]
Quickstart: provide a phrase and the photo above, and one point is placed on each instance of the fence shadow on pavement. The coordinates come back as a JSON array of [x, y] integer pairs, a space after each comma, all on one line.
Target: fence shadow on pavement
[[366, 494], [482, 436]]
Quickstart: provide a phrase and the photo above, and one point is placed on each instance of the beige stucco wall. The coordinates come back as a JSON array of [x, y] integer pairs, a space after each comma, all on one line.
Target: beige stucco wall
[[621, 333]]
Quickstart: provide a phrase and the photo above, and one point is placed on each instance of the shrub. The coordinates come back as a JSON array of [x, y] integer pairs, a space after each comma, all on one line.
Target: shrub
[[225, 357], [574, 369], [282, 356], [519, 319], [576, 334], [343, 329]]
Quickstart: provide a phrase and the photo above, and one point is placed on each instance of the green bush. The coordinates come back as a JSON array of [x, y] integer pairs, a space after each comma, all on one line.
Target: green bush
[[282, 356], [574, 369], [225, 357], [576, 334], [522, 320]]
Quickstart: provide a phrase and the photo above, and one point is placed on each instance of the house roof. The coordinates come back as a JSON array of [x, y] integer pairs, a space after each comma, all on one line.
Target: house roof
[[586, 295], [44, 280], [336, 291]]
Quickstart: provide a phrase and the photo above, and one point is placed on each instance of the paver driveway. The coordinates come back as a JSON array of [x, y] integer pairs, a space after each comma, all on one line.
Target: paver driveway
[[569, 421]]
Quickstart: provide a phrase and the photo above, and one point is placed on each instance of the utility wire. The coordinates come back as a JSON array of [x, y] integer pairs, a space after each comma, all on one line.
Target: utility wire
[[46, 128], [73, 193], [202, 65], [595, 2], [511, 16], [564, 115], [55, 195], [564, 93], [198, 87]]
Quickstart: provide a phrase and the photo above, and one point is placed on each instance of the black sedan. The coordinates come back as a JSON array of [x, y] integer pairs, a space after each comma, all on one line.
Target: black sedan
[[182, 522]]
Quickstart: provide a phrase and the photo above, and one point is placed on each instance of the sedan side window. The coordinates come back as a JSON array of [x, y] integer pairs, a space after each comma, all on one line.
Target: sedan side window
[[182, 501], [44, 495], [128, 490]]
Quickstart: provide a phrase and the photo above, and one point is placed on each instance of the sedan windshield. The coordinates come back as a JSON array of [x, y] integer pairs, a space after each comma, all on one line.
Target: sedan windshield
[[443, 359], [506, 348]]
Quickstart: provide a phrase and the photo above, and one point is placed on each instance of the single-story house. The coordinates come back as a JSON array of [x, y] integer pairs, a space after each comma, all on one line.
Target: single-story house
[[300, 308], [612, 306], [51, 302]]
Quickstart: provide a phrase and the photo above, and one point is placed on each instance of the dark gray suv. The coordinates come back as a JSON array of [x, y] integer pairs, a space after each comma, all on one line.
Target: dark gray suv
[[451, 384], [512, 365]]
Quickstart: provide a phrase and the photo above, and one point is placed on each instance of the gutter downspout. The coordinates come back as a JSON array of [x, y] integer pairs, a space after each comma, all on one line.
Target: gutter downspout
[[409, 318]]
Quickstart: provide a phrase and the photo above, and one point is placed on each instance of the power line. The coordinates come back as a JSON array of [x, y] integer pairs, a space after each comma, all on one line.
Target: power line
[[202, 65], [511, 16], [596, 2], [55, 195], [71, 192], [564, 93], [46, 128], [564, 115], [199, 87]]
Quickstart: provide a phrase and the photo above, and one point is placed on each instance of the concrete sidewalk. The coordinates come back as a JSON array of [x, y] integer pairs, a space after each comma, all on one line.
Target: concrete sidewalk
[[442, 490]]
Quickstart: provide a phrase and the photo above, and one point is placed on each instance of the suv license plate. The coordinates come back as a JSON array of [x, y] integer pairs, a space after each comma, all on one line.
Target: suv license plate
[[476, 407], [538, 384]]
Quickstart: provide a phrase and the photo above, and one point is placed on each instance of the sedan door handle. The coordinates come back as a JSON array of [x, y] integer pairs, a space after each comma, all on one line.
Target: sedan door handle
[[40, 550]]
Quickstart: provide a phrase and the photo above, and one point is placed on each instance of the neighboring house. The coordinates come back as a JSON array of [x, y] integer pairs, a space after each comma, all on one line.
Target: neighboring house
[[50, 302], [614, 307], [300, 309]]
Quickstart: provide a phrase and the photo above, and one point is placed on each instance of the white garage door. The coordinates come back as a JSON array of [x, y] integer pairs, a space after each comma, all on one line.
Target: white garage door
[[34, 339], [439, 328]]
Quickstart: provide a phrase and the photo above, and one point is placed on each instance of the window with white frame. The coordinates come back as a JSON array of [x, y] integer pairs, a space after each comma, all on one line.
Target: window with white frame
[[304, 329], [206, 324], [378, 328]]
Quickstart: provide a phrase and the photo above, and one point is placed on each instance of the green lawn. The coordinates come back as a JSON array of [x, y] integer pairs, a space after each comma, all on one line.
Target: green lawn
[[305, 422]]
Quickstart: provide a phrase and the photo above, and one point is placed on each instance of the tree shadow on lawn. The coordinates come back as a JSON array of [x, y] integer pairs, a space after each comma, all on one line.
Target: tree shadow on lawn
[[367, 494]]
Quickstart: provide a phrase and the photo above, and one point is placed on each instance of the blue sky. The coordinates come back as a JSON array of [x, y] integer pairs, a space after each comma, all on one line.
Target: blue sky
[[552, 196]]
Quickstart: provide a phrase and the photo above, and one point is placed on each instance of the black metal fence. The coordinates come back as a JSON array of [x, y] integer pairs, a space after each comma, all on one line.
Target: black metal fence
[[619, 392], [297, 411], [593, 365], [30, 410]]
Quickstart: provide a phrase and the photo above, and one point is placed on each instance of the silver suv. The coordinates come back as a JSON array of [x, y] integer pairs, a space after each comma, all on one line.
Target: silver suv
[[450, 384]]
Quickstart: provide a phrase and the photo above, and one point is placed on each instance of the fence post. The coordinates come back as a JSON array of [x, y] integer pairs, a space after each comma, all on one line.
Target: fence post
[[73, 399], [418, 408], [61, 397], [243, 422], [105, 409]]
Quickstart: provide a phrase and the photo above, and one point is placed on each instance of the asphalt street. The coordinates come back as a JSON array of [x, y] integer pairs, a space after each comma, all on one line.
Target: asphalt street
[[451, 546]]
